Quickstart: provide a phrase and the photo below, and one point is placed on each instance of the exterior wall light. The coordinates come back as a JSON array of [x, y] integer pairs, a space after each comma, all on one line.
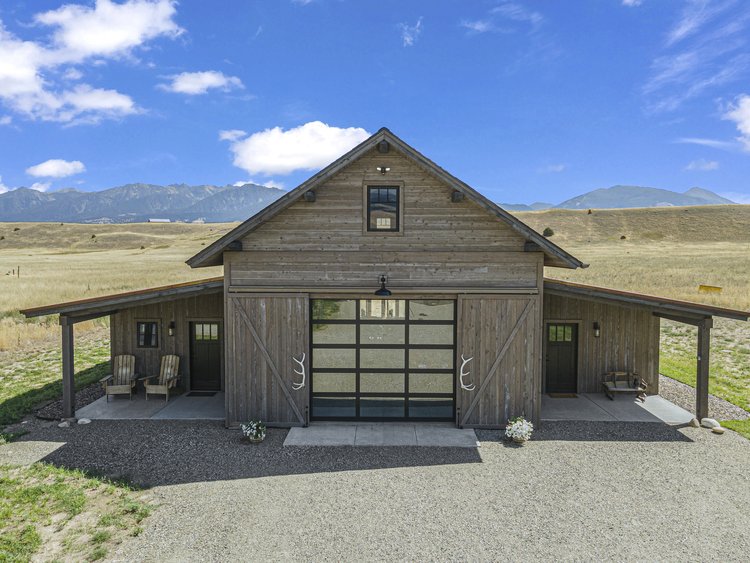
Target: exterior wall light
[[170, 328], [383, 291], [383, 169], [597, 330]]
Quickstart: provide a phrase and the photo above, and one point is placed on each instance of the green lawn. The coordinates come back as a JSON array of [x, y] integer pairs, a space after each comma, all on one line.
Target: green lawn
[[739, 426], [64, 513], [29, 378]]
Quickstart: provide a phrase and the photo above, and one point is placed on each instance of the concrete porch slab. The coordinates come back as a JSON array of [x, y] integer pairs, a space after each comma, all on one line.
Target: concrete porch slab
[[382, 434], [181, 407], [597, 407]]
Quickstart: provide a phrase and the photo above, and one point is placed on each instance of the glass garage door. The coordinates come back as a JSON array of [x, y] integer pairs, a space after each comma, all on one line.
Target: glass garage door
[[383, 359]]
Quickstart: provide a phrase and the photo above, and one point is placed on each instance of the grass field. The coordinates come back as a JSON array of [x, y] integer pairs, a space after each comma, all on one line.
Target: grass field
[[49, 513]]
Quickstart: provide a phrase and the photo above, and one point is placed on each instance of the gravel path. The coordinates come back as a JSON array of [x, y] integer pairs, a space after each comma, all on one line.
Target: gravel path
[[582, 491], [85, 396], [683, 396]]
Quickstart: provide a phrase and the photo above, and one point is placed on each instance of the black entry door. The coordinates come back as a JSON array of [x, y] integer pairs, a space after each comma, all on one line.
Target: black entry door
[[205, 356], [562, 358]]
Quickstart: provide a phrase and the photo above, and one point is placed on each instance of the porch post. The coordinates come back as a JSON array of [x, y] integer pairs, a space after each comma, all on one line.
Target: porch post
[[704, 353], [68, 368]]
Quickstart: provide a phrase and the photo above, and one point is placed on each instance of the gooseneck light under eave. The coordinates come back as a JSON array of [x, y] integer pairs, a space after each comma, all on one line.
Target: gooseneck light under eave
[[383, 291]]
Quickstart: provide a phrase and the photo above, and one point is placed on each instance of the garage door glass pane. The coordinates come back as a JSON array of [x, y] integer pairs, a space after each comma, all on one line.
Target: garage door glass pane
[[324, 309], [431, 383], [334, 333], [431, 310], [334, 358], [430, 359], [334, 382], [431, 408], [431, 334], [382, 383], [381, 407], [334, 407], [382, 309], [380, 359], [382, 334]]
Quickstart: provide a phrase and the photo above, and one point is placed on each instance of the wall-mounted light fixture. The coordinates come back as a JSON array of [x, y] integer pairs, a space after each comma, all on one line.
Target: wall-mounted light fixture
[[383, 169], [383, 291], [597, 329], [170, 328]]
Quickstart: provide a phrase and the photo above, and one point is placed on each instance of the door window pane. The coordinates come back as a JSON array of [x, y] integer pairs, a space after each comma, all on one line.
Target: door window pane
[[382, 383], [431, 310], [381, 407], [382, 334], [431, 359], [334, 382], [382, 309], [431, 334], [334, 333], [334, 358], [379, 359], [430, 383], [330, 309]]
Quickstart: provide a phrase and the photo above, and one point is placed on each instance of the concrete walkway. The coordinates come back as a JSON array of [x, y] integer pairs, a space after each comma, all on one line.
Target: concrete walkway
[[598, 408], [382, 434], [182, 407]]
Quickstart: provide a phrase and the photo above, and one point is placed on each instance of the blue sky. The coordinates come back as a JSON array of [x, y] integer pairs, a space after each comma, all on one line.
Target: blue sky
[[523, 100]]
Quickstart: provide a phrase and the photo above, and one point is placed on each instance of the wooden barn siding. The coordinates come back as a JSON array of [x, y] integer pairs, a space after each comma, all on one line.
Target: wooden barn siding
[[253, 391], [181, 311], [325, 243], [485, 323], [629, 339]]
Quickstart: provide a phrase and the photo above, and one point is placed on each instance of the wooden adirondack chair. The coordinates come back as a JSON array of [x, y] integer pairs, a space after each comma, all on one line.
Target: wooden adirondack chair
[[167, 378], [122, 379]]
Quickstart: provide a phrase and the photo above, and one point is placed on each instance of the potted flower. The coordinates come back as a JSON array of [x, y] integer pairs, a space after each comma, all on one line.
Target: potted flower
[[519, 429], [253, 431]]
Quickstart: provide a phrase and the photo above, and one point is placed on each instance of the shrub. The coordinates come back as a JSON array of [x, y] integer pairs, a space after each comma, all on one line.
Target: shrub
[[548, 232], [254, 429], [623, 237]]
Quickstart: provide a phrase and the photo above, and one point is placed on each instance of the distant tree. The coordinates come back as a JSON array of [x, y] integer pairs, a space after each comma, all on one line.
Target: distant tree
[[548, 232], [623, 237]]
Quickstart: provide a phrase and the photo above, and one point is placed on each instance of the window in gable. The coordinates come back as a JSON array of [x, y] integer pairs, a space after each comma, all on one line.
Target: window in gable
[[382, 208]]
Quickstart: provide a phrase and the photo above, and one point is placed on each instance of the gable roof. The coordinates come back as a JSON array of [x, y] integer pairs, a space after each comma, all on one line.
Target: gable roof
[[554, 255]]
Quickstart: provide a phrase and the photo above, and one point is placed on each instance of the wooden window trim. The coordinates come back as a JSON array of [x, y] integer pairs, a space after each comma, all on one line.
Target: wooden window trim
[[373, 182]]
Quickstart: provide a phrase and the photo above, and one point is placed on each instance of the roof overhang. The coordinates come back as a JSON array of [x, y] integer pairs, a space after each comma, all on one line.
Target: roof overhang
[[684, 311], [212, 255], [106, 305]]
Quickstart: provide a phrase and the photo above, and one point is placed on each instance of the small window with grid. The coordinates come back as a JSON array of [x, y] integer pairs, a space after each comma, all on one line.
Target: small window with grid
[[148, 334], [383, 208]]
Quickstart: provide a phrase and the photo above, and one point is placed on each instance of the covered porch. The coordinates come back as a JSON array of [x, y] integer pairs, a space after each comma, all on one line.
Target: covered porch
[[173, 309], [596, 407]]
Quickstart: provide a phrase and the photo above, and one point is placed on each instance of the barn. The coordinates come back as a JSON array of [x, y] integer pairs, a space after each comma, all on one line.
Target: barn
[[383, 288]]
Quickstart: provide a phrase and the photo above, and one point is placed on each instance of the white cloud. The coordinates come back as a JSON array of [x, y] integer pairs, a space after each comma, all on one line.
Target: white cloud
[[6, 120], [231, 134], [518, 13], [307, 147], [3, 187], [56, 168], [410, 33], [739, 113], [705, 48], [478, 26], [193, 83], [632, 3], [79, 34], [703, 165], [712, 143], [555, 168], [40, 186], [508, 17]]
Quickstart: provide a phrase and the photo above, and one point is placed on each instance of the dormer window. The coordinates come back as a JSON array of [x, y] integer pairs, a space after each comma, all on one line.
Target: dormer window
[[382, 208]]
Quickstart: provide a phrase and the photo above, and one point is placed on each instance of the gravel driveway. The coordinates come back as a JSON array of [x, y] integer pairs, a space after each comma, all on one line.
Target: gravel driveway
[[578, 491]]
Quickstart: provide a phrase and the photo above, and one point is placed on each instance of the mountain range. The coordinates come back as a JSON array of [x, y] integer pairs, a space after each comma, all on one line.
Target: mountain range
[[133, 203], [618, 197]]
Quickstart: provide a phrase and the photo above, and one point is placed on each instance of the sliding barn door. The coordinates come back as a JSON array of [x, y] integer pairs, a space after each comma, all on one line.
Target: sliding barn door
[[267, 333], [502, 336]]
